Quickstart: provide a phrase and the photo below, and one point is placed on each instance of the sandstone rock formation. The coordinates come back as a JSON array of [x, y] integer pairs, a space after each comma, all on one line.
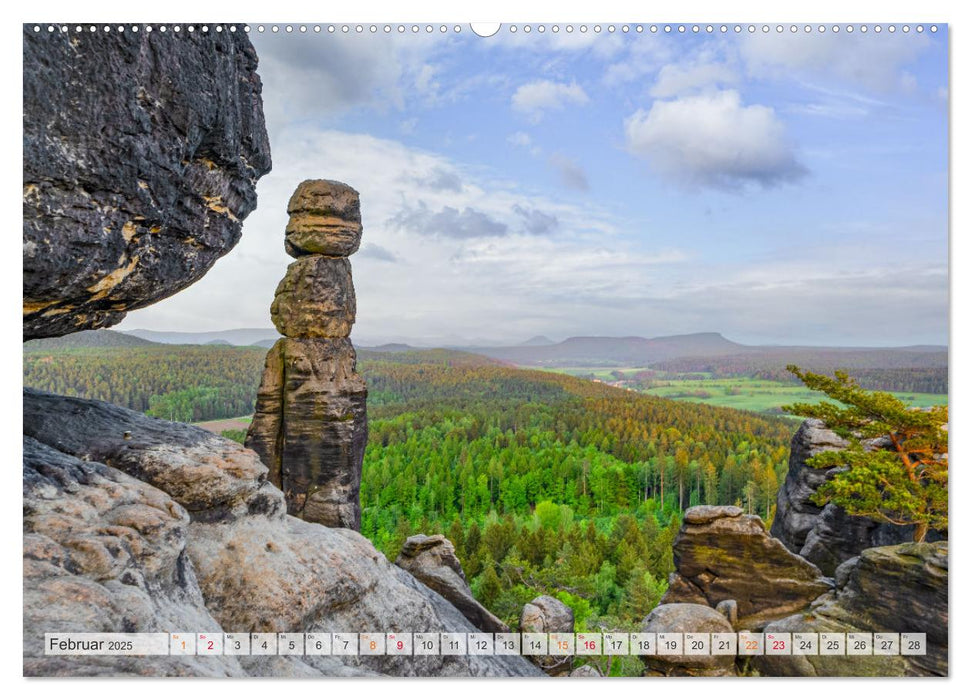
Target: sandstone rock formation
[[721, 554], [825, 535], [137, 524], [547, 614], [898, 588], [432, 561], [687, 617], [141, 155], [310, 425]]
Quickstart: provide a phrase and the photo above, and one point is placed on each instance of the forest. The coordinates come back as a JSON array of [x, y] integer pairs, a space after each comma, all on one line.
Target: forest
[[548, 483]]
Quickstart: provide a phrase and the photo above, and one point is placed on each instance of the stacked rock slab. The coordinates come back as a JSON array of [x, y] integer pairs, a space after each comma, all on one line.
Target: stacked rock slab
[[310, 424], [721, 554]]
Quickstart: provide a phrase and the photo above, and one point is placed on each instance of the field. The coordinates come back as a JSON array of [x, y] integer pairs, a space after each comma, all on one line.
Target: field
[[743, 393], [218, 426]]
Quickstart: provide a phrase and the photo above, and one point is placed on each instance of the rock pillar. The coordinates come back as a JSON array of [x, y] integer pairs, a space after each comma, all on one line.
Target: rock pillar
[[310, 424]]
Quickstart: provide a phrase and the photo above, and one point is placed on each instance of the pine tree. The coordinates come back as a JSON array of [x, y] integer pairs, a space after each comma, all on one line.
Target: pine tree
[[905, 484]]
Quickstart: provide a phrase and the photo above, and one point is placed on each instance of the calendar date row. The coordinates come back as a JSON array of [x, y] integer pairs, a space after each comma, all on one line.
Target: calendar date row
[[485, 644]]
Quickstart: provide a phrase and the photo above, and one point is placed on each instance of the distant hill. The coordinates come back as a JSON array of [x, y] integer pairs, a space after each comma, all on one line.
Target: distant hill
[[86, 339], [390, 347], [618, 352], [537, 340], [218, 341], [266, 343], [710, 352], [418, 356], [233, 336]]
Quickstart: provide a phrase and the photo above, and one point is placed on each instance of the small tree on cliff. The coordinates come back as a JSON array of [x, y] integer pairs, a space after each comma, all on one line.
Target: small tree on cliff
[[904, 484]]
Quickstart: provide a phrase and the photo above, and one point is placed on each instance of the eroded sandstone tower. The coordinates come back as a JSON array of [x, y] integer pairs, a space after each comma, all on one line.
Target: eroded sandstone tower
[[310, 425]]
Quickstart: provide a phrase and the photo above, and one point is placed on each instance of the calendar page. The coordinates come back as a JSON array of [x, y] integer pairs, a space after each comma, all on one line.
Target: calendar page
[[513, 350]]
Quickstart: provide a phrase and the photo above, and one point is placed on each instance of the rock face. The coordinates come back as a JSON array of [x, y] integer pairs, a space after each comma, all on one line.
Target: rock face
[[721, 554], [687, 617], [432, 561], [141, 157], [898, 588], [201, 544], [310, 425], [827, 535], [546, 614]]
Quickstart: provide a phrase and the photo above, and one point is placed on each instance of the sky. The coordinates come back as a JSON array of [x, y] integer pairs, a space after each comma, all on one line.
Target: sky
[[779, 188]]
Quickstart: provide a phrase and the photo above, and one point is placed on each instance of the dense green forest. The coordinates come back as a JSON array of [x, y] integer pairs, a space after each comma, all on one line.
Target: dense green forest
[[548, 483], [187, 383]]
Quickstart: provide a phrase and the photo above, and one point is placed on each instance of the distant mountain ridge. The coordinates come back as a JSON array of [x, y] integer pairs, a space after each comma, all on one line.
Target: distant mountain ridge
[[232, 336], [630, 351], [86, 339]]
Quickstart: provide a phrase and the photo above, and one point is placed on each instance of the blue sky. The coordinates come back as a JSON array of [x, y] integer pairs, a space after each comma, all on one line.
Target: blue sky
[[779, 188]]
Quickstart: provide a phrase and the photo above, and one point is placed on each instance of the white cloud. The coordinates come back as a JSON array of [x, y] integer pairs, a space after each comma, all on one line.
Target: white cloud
[[521, 139], [532, 99], [679, 78], [870, 61], [713, 140]]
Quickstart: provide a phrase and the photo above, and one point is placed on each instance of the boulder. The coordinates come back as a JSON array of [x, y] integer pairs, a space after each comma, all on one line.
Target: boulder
[[106, 552], [141, 154], [687, 617], [432, 561], [208, 475], [546, 614], [325, 218], [315, 299], [898, 588], [310, 428], [825, 535], [722, 554]]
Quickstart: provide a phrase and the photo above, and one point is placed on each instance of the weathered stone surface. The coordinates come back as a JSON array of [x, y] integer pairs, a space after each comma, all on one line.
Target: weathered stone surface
[[432, 560], [325, 218], [206, 474], [310, 428], [106, 552], [547, 614], [315, 299], [585, 671], [729, 610], [825, 535], [721, 554], [141, 157], [303, 576], [898, 588], [687, 617]]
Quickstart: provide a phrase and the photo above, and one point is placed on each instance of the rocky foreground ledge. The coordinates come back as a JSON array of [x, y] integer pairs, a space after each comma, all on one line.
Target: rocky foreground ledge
[[141, 525], [732, 575]]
